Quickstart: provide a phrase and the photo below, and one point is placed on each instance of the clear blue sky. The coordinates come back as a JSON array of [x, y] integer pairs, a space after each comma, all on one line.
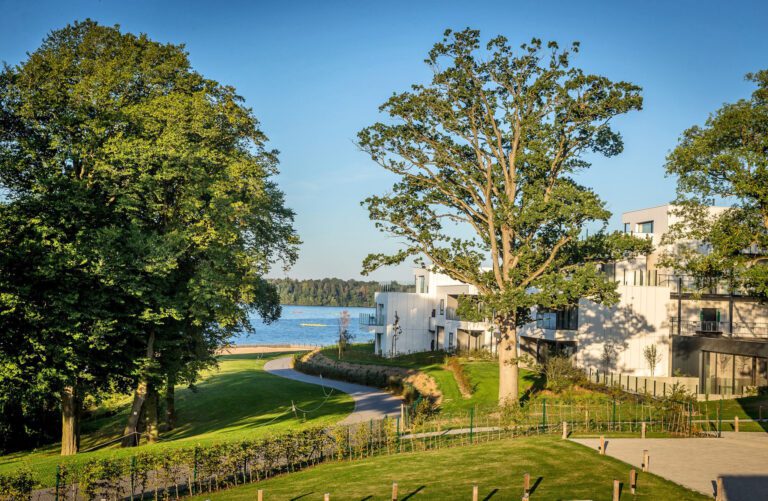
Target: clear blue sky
[[315, 73]]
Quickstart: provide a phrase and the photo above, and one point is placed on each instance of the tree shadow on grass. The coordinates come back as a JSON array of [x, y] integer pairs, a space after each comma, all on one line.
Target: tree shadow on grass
[[414, 492]]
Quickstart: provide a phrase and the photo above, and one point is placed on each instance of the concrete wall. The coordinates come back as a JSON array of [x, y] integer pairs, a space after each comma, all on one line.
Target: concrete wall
[[413, 311], [622, 331]]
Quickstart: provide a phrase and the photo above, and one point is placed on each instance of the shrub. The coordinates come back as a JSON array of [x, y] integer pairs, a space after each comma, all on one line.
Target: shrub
[[17, 485], [453, 364], [560, 373]]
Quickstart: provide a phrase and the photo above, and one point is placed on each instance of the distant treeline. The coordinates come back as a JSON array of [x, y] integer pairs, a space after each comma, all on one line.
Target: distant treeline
[[332, 291]]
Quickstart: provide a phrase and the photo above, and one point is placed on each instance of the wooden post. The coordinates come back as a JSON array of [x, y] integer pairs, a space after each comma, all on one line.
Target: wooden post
[[736, 423], [260, 495], [394, 491], [602, 444], [720, 494], [474, 493], [565, 430], [646, 461], [526, 485], [616, 490], [642, 430], [326, 497], [632, 480]]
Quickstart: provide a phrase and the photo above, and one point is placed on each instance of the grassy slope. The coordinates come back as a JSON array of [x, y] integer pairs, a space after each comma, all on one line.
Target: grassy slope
[[483, 374], [237, 401], [567, 471]]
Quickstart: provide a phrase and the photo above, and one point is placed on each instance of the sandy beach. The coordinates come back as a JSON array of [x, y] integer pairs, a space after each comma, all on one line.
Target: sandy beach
[[243, 349]]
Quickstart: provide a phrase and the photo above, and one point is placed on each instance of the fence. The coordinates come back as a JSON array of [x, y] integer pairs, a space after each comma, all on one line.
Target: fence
[[641, 385], [184, 471]]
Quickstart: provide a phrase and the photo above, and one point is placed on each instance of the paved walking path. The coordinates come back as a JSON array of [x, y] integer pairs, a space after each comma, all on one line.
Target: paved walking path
[[370, 403], [741, 459]]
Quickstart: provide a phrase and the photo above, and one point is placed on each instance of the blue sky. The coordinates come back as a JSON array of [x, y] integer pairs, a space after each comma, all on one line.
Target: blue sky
[[316, 72]]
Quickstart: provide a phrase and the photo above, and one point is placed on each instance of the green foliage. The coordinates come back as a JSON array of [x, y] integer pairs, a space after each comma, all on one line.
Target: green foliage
[[724, 160], [453, 364], [486, 157], [141, 214], [560, 374], [17, 485], [331, 291]]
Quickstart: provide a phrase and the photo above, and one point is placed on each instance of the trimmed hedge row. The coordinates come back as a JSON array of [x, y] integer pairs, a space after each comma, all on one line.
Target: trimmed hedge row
[[359, 374], [16, 485]]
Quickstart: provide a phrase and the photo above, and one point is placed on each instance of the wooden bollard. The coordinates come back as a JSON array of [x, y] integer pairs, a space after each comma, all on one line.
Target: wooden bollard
[[642, 430], [602, 444], [565, 430], [616, 490], [394, 491], [526, 486], [632, 480], [475, 493], [260, 495], [326, 497], [736, 424], [720, 494], [646, 460]]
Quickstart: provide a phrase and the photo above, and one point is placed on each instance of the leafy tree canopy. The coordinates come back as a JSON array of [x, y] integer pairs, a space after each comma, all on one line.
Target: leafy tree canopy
[[726, 159], [486, 156], [149, 184]]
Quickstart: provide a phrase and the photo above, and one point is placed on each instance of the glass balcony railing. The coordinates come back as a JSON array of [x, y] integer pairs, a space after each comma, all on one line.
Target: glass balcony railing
[[370, 320], [713, 328]]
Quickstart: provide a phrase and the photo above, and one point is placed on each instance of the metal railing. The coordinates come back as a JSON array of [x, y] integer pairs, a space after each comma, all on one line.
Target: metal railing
[[713, 328], [686, 284], [450, 314], [370, 320]]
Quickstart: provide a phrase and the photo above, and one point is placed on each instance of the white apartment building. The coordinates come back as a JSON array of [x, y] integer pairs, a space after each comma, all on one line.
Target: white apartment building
[[719, 336]]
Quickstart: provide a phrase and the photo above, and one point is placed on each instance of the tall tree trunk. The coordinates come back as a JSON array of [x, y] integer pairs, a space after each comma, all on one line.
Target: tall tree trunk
[[508, 363], [170, 402], [130, 438], [150, 413], [68, 421]]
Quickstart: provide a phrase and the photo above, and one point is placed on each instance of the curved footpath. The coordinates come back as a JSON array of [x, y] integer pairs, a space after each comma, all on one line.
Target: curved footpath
[[370, 403]]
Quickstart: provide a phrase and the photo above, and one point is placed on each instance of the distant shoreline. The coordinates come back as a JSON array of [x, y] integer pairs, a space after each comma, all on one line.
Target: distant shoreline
[[243, 349]]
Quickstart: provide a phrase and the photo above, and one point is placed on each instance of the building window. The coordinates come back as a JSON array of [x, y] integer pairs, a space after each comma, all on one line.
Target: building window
[[422, 284], [626, 227], [566, 319], [442, 306], [646, 227]]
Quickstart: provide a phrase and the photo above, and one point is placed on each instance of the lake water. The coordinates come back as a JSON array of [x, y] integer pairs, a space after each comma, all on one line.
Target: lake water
[[312, 325]]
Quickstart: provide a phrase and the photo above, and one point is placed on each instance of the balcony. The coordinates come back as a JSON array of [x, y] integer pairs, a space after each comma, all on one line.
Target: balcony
[[706, 328], [371, 320]]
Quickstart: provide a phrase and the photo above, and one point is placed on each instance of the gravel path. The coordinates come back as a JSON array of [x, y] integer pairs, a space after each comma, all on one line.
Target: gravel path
[[741, 459], [370, 403]]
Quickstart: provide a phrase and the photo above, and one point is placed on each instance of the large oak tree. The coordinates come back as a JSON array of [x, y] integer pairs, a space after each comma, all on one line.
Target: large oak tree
[[486, 156]]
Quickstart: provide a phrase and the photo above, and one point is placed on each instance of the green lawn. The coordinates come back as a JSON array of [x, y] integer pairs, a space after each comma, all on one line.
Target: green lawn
[[484, 375], [559, 470], [239, 400]]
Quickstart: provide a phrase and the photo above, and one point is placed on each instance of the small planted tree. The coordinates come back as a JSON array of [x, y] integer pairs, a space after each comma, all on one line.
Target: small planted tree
[[345, 335], [486, 157], [652, 357]]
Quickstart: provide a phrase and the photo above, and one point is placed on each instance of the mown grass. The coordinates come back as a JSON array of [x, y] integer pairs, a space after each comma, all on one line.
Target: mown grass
[[238, 400], [483, 374], [559, 469]]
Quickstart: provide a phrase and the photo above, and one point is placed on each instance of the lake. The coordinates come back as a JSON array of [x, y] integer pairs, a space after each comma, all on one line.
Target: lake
[[312, 325]]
